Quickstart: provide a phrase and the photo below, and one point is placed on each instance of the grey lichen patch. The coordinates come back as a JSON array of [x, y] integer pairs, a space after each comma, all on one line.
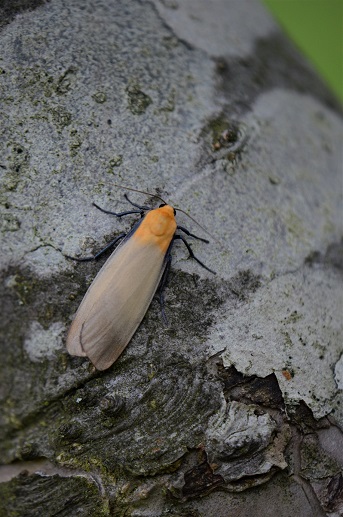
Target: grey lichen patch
[[9, 222], [293, 317], [18, 166], [116, 161], [295, 229], [61, 117], [244, 283], [138, 101], [66, 81], [35, 495], [44, 261], [99, 97], [299, 336], [293, 217], [169, 105], [75, 142], [37, 85], [217, 31], [42, 344]]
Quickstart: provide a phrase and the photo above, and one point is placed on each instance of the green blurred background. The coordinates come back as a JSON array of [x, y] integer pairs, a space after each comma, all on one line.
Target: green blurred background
[[316, 26]]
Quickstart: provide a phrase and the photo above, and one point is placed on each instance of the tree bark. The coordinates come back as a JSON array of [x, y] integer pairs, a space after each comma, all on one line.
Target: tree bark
[[208, 105]]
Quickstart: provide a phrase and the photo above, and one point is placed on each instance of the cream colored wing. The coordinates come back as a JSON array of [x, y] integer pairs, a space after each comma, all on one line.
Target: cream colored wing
[[116, 303]]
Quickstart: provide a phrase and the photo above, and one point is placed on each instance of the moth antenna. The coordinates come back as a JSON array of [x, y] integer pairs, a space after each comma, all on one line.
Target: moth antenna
[[200, 226], [141, 191], [178, 209]]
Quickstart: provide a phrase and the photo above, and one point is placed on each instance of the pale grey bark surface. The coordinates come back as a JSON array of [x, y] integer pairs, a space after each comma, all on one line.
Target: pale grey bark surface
[[236, 407]]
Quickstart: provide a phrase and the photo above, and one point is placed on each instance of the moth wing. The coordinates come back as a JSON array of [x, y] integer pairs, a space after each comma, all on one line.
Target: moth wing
[[116, 302]]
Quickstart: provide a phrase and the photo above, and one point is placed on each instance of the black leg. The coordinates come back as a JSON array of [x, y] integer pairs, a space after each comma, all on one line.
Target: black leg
[[95, 257], [162, 285], [117, 214], [187, 232], [141, 208], [191, 254]]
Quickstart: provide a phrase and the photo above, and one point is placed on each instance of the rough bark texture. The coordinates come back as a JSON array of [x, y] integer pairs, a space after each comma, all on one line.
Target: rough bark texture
[[209, 105]]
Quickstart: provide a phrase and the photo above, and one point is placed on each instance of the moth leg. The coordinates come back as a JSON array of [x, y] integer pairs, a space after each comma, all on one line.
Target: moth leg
[[191, 254], [97, 255], [117, 214], [162, 285], [141, 208], [187, 232]]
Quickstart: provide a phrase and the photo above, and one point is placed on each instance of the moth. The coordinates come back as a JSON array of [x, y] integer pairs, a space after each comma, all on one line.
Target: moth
[[117, 300]]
